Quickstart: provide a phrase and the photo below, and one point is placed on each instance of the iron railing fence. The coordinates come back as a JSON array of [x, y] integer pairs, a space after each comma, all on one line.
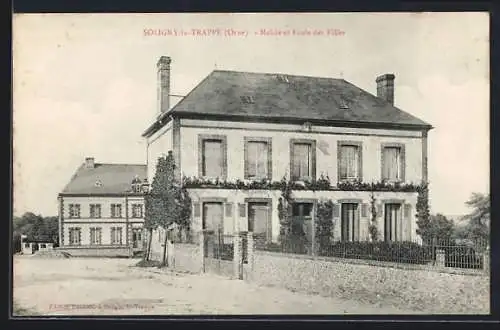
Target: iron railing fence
[[453, 253]]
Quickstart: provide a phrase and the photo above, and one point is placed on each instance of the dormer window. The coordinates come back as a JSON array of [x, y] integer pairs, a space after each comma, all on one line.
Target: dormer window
[[343, 103], [98, 183], [247, 99]]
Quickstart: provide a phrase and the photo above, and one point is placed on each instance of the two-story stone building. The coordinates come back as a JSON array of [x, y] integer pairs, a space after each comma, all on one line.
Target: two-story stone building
[[101, 210], [234, 128]]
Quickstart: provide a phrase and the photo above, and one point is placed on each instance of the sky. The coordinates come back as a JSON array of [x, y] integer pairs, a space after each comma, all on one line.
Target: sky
[[84, 85]]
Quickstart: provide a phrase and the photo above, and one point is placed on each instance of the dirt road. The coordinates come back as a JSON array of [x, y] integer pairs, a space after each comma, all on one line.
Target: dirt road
[[87, 286]]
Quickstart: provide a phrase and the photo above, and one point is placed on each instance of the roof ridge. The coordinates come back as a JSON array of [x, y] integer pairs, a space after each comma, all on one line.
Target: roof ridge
[[277, 73]]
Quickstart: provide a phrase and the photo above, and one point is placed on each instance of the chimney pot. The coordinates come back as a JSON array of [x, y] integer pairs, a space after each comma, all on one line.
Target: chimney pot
[[385, 87], [89, 162], [163, 67]]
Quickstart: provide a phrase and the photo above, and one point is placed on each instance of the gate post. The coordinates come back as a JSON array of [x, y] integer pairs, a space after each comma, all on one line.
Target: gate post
[[237, 255], [250, 254], [201, 243]]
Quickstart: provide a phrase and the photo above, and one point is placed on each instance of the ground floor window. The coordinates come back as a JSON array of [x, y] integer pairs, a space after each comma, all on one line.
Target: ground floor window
[[393, 223], [74, 236], [349, 222], [259, 221], [95, 236], [116, 235]]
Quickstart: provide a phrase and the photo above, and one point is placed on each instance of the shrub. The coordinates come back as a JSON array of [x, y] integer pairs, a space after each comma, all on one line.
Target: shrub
[[403, 252]]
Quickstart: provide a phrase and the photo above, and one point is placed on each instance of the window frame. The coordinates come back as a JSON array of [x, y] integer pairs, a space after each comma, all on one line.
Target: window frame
[[113, 213], [402, 161], [78, 230], [141, 213], [353, 231], [201, 153], [357, 144], [115, 230], [97, 206], [268, 142], [312, 144], [96, 230], [71, 207]]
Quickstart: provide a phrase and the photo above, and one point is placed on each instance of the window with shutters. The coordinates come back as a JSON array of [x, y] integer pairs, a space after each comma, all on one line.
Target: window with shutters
[[349, 161], [74, 236], [95, 210], [303, 159], [116, 210], [258, 161], [393, 162], [116, 235], [212, 156], [136, 210], [74, 210], [95, 236]]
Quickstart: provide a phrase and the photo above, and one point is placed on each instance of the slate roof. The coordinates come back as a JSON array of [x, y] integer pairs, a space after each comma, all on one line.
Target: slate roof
[[294, 97], [104, 179]]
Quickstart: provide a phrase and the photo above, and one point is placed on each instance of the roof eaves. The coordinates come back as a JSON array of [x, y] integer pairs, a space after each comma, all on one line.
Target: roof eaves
[[344, 123]]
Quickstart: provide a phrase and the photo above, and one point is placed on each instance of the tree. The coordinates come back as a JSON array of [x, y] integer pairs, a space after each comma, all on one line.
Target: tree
[[441, 228], [168, 203], [34, 227], [479, 219], [324, 225], [423, 214], [154, 206]]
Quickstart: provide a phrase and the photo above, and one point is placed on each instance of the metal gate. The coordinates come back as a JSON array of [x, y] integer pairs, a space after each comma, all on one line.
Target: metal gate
[[218, 253]]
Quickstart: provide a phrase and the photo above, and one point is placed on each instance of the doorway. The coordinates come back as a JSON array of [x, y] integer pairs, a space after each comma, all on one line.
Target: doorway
[[349, 222], [393, 229], [259, 222], [137, 239], [301, 229], [218, 248]]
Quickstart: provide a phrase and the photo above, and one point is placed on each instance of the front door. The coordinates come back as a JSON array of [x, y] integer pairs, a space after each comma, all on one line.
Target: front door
[[137, 239], [393, 229], [259, 223]]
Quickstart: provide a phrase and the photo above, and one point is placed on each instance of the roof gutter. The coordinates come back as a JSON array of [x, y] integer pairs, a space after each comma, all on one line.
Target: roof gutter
[[157, 124]]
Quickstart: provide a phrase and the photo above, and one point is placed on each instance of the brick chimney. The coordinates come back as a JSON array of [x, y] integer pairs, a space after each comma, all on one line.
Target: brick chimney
[[385, 87], [163, 67], [89, 162]]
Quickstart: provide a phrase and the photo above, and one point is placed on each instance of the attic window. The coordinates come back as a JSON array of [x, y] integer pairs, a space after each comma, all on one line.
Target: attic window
[[343, 103], [98, 183], [282, 78], [247, 99]]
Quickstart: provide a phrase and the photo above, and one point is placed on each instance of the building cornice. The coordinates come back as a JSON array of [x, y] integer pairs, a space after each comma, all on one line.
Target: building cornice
[[168, 116]]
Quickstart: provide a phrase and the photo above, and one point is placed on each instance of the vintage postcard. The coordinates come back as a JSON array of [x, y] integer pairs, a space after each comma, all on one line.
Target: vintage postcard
[[250, 164]]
